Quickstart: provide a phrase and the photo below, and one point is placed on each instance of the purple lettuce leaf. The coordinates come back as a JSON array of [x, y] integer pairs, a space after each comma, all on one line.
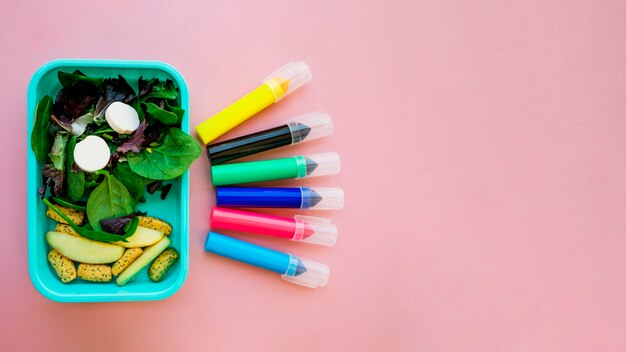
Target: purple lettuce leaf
[[71, 102], [61, 121], [74, 168], [134, 143], [159, 89], [116, 225], [154, 186], [146, 86], [166, 190], [52, 177], [113, 89]]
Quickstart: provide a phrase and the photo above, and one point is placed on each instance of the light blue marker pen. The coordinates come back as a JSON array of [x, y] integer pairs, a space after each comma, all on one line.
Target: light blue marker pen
[[291, 268]]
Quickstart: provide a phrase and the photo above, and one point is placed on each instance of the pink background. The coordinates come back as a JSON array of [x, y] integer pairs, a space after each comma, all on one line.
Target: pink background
[[483, 147]]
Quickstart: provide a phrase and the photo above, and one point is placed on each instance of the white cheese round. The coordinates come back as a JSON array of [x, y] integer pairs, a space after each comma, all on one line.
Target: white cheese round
[[122, 118], [91, 154]]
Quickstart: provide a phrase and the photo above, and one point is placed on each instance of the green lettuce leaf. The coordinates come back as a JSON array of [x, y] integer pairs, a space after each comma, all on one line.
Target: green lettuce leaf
[[40, 140], [168, 160], [166, 117], [133, 182], [68, 79], [57, 153], [156, 88], [75, 179], [109, 199]]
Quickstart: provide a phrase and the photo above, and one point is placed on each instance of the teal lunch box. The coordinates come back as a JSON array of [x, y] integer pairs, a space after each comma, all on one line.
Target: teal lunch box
[[174, 209]]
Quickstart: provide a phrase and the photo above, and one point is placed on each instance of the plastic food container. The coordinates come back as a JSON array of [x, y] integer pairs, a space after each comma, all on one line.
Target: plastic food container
[[174, 209]]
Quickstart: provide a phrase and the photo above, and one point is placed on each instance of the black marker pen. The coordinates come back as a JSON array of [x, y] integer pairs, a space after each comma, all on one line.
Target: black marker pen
[[303, 128]]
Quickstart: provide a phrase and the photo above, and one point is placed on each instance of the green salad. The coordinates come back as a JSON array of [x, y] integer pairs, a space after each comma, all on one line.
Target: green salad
[[102, 145]]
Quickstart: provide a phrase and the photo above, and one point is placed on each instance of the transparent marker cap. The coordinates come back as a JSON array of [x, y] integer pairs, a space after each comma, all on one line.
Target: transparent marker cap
[[316, 274], [309, 127], [288, 78], [314, 230], [318, 164], [322, 198]]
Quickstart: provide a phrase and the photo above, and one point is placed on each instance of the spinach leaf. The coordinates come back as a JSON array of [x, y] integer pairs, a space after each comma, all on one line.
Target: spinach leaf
[[137, 106], [133, 182], [103, 129], [57, 153], [169, 160], [168, 118], [40, 141], [75, 180], [65, 203], [178, 111], [68, 79], [94, 234], [110, 199], [171, 106], [130, 228]]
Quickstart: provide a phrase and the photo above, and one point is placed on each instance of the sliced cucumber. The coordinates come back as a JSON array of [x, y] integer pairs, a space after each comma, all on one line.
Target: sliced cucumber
[[148, 255]]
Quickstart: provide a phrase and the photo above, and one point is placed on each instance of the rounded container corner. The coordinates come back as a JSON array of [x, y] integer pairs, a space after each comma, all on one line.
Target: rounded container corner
[[173, 71], [41, 288], [172, 290]]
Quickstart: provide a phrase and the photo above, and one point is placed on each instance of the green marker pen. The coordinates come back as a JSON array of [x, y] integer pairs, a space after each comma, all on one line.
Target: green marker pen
[[300, 166]]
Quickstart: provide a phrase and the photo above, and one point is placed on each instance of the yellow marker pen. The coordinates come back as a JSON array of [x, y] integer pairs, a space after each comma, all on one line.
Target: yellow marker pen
[[276, 86]]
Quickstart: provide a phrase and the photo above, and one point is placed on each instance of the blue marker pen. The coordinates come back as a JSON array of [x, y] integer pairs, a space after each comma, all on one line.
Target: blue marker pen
[[291, 268], [317, 198]]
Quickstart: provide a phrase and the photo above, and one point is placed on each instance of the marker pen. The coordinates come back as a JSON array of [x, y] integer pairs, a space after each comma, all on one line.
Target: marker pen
[[300, 166], [297, 130], [318, 198], [299, 228], [275, 86], [291, 268]]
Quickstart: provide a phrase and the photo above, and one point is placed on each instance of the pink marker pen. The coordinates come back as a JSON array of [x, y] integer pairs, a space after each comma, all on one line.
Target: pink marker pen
[[299, 228]]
